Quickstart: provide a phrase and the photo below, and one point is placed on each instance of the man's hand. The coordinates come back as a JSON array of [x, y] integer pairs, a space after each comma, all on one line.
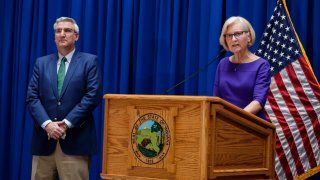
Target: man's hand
[[55, 129]]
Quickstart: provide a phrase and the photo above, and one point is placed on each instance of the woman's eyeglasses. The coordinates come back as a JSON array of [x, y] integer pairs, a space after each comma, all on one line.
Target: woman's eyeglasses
[[236, 35]]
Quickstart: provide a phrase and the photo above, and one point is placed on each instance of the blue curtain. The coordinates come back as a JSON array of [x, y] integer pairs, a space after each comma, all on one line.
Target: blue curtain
[[144, 47]]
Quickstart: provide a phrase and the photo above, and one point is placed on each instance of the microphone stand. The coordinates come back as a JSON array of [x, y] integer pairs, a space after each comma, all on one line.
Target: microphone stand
[[222, 52]]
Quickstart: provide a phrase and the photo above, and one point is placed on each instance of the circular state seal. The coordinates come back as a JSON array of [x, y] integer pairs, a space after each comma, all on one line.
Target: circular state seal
[[150, 138]]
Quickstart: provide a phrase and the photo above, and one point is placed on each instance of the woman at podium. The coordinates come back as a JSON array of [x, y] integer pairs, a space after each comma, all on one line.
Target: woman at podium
[[242, 79]]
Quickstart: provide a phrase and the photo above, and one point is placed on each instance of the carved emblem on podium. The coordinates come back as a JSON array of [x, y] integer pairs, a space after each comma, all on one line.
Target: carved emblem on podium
[[150, 138]]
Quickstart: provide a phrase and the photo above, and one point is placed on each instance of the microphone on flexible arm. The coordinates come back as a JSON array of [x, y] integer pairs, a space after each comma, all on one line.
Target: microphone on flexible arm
[[221, 53]]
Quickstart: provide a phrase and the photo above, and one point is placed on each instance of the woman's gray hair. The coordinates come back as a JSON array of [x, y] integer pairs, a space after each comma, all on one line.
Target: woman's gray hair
[[246, 25], [67, 19]]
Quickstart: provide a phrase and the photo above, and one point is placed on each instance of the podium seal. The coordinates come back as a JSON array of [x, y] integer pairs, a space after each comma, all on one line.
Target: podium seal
[[150, 138]]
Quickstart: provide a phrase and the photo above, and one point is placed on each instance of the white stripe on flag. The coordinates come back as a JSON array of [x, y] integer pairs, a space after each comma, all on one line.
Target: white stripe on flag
[[282, 138]]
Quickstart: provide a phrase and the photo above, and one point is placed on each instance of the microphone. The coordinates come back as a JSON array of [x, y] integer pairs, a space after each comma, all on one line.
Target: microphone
[[221, 53]]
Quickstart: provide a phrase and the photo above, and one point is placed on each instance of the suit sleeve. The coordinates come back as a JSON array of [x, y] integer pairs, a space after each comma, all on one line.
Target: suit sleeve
[[77, 116], [34, 104]]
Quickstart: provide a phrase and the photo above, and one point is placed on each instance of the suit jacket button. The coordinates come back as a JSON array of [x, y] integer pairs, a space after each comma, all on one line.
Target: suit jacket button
[[55, 119], [59, 103]]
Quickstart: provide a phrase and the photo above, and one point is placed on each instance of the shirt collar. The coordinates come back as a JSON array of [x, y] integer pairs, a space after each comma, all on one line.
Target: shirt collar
[[68, 56]]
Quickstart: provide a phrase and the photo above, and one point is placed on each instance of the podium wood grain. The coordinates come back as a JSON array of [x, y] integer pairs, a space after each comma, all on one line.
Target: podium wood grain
[[209, 139]]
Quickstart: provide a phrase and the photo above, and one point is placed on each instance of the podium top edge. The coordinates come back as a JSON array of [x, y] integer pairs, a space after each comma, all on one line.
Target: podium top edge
[[161, 97], [177, 98]]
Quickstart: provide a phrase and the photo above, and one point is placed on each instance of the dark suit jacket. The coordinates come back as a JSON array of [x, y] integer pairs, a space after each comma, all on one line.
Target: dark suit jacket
[[80, 94]]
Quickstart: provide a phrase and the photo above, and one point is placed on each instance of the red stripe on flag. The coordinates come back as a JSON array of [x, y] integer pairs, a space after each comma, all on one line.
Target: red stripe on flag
[[279, 150], [285, 127], [311, 79], [307, 105], [294, 112], [283, 160], [265, 112]]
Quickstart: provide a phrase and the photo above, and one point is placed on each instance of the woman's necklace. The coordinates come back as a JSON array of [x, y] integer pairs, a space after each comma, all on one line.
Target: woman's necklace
[[236, 67]]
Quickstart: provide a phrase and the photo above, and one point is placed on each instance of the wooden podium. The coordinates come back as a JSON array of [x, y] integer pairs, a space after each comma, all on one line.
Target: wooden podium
[[184, 137]]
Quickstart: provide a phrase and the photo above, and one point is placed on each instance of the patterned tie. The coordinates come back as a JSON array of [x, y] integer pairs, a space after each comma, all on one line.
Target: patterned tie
[[61, 74]]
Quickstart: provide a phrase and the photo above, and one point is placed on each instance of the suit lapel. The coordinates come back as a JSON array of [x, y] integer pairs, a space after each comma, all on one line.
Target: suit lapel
[[53, 74], [71, 69]]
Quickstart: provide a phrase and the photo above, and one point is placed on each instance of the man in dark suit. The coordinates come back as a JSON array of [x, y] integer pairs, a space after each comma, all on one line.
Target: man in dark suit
[[64, 90]]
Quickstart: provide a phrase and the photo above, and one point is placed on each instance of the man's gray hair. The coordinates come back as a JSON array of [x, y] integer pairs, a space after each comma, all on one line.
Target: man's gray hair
[[66, 19]]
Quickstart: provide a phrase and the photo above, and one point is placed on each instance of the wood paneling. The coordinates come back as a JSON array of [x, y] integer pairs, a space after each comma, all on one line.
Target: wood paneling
[[209, 139]]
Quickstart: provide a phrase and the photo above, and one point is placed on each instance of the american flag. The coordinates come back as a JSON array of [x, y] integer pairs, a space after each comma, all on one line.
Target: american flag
[[293, 104]]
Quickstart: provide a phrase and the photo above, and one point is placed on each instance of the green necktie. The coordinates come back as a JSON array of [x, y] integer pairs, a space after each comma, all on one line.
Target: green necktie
[[61, 74]]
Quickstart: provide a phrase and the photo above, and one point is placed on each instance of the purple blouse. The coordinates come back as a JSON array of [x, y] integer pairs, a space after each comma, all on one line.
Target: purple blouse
[[240, 84]]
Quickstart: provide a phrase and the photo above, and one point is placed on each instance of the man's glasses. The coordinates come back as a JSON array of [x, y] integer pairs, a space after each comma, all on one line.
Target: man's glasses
[[236, 35], [65, 30]]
